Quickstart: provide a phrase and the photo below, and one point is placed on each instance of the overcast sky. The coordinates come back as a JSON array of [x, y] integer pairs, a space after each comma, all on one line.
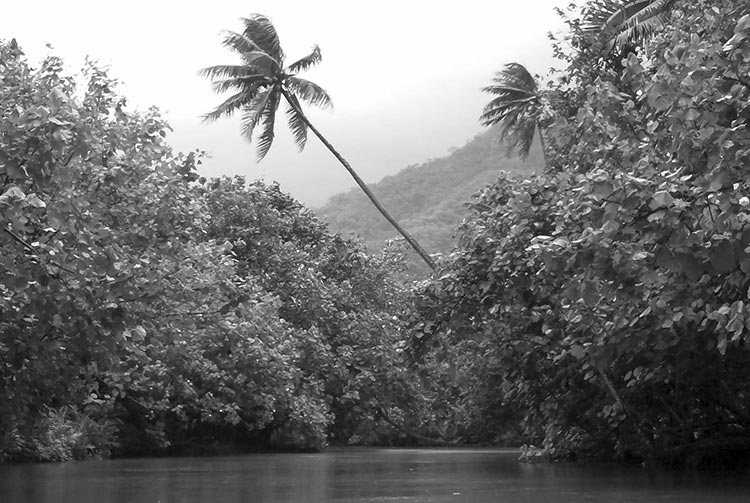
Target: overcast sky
[[405, 76]]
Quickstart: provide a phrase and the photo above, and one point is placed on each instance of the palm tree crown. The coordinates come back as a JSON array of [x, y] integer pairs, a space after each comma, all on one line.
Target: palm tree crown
[[259, 82], [516, 107]]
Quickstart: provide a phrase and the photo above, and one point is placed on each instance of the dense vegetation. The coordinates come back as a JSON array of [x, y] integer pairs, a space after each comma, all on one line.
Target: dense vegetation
[[600, 309], [606, 302], [146, 310]]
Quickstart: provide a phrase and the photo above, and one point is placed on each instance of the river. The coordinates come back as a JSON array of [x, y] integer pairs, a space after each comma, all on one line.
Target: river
[[360, 475]]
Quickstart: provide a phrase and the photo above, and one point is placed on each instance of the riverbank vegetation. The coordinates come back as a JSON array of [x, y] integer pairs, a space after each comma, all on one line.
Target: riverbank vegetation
[[599, 309]]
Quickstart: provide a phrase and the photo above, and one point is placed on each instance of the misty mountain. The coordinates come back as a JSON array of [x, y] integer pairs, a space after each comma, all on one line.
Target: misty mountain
[[429, 199]]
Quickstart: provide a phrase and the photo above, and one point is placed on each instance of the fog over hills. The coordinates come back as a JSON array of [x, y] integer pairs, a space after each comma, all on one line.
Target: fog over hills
[[429, 199]]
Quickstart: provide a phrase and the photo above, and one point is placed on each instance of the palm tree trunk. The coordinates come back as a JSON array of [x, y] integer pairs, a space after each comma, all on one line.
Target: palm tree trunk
[[409, 239], [544, 147]]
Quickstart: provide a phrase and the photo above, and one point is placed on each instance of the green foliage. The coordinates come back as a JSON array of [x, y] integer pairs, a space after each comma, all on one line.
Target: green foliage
[[99, 224], [348, 306], [600, 309], [143, 310], [606, 303], [64, 435]]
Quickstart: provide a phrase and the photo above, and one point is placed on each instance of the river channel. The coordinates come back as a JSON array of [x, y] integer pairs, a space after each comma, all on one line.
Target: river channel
[[360, 475]]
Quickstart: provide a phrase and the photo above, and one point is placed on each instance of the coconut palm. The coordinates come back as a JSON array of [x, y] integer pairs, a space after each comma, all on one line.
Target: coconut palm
[[630, 22], [516, 108], [260, 82]]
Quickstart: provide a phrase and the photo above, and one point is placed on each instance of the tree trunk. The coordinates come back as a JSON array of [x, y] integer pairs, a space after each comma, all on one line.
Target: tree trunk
[[544, 147], [409, 239]]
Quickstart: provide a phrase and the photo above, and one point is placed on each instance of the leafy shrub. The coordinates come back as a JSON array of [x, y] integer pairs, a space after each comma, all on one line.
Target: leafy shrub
[[62, 434]]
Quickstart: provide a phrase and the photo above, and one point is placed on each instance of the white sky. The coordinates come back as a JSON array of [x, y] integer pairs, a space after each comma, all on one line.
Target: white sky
[[405, 76]]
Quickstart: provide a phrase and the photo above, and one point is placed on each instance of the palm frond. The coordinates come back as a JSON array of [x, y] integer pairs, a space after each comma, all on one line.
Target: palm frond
[[514, 88], [251, 53], [297, 124], [598, 13], [497, 113], [648, 9], [513, 78], [639, 32], [260, 61], [249, 84], [520, 137], [227, 108], [499, 110], [308, 92], [631, 22], [268, 120], [517, 127], [261, 31], [230, 77], [504, 89], [646, 22], [239, 43], [514, 107], [626, 12], [226, 71], [253, 111], [307, 62]]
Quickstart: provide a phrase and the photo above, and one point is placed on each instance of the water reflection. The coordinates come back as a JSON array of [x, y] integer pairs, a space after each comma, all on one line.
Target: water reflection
[[358, 475]]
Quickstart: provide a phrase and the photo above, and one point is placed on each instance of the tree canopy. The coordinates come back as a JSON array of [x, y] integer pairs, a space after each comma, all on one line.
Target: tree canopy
[[146, 310], [606, 302], [599, 309]]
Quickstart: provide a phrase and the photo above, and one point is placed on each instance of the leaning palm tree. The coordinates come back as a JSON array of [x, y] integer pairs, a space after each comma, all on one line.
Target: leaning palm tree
[[629, 22], [516, 108], [260, 82]]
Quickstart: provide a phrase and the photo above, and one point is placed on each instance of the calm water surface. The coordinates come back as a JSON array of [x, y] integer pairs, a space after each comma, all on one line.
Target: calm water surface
[[359, 475]]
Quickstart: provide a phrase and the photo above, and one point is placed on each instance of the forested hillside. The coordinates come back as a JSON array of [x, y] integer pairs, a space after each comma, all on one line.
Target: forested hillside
[[428, 199]]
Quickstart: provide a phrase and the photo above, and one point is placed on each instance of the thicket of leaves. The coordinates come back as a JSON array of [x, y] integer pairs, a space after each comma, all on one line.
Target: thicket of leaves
[[144, 310], [604, 306], [350, 305], [601, 309]]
